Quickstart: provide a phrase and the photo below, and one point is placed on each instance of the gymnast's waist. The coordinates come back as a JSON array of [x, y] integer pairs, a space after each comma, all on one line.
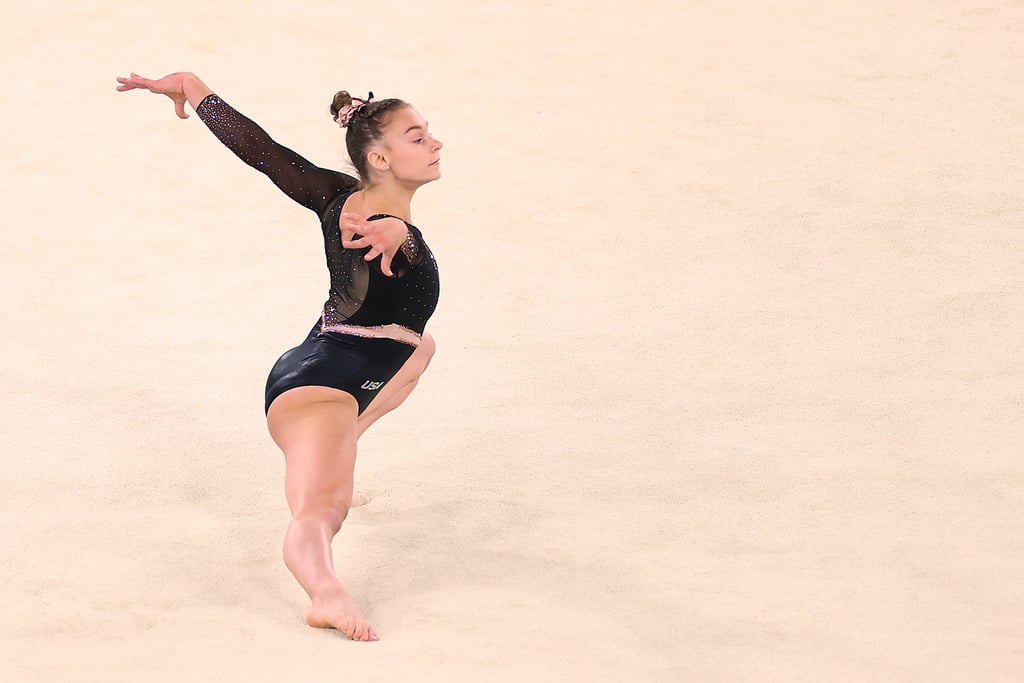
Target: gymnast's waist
[[394, 331]]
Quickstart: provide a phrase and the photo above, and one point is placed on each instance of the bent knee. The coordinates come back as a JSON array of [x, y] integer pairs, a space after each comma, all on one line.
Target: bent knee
[[330, 514], [426, 349]]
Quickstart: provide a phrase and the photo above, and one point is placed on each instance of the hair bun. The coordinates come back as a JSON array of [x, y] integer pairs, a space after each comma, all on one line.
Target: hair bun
[[345, 107], [341, 100]]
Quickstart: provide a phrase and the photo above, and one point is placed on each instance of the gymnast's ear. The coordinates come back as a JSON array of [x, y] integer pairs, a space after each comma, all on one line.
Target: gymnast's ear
[[377, 160]]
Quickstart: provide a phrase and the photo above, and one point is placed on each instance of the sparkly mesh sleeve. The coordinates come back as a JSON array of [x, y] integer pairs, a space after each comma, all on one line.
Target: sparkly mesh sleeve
[[309, 185]]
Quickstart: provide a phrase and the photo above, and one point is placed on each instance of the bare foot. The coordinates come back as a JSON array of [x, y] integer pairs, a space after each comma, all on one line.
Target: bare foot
[[336, 609], [359, 498]]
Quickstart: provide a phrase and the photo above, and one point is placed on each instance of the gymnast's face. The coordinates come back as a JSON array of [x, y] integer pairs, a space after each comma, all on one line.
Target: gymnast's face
[[409, 149]]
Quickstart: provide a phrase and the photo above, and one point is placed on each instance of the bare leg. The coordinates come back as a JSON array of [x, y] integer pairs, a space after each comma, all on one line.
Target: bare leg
[[399, 387], [315, 427]]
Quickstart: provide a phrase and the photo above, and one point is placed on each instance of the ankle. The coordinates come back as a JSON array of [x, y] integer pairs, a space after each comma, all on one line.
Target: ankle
[[328, 592]]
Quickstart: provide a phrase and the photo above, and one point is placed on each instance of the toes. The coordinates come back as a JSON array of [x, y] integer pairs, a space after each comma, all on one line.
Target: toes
[[365, 634], [354, 627], [349, 628]]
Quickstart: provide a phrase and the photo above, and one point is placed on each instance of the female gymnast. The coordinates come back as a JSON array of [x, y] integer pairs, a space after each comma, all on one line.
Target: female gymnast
[[368, 349]]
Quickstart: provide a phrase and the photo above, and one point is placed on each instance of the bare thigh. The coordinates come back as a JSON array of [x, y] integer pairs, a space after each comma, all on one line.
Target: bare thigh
[[315, 428]]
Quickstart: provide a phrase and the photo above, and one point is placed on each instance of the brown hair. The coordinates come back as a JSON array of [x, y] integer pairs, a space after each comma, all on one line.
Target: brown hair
[[365, 126]]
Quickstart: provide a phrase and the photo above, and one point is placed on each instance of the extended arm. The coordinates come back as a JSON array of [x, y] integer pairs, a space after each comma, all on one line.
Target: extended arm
[[306, 183]]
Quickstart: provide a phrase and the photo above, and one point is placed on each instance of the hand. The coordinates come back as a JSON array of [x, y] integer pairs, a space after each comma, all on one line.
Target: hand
[[384, 236], [172, 85]]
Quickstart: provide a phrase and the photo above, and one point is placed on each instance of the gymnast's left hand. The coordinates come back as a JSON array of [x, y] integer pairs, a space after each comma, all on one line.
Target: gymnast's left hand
[[384, 236]]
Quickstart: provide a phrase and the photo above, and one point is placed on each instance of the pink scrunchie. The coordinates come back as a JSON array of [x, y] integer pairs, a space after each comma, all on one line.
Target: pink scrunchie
[[345, 114]]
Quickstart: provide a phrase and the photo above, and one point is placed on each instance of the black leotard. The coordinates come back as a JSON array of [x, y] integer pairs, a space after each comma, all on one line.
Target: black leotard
[[361, 299]]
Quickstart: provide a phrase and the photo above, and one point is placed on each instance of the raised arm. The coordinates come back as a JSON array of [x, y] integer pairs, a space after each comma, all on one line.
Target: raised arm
[[306, 183]]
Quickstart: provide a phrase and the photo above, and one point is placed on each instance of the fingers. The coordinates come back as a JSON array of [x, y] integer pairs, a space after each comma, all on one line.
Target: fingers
[[126, 84], [357, 243], [375, 236], [360, 228], [375, 251], [135, 82], [355, 223], [385, 261], [132, 82]]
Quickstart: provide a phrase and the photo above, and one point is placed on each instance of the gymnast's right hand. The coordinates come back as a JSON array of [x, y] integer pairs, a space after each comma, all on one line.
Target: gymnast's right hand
[[180, 86]]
